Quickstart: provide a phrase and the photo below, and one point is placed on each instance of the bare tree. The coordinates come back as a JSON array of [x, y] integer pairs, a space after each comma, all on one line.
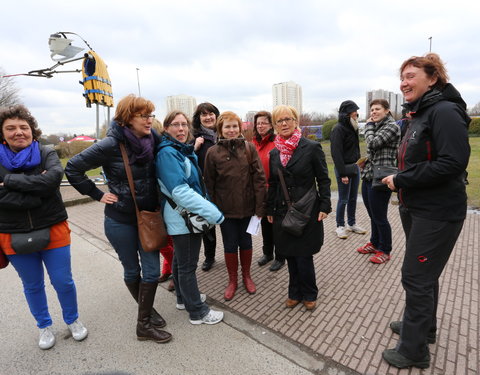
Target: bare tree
[[8, 91], [475, 110]]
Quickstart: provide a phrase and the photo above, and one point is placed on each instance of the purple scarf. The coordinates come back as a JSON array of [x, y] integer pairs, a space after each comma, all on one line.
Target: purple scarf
[[25, 159], [139, 149]]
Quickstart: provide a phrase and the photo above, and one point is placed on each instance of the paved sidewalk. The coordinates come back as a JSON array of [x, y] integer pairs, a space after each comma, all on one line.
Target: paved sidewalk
[[357, 299]]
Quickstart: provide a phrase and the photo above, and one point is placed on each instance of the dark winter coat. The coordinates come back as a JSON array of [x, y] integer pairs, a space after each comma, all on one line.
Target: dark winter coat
[[208, 142], [235, 179], [306, 167], [433, 157], [106, 154], [31, 200], [344, 147]]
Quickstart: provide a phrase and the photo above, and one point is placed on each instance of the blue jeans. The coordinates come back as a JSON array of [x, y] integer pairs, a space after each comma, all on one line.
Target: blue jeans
[[185, 259], [125, 241], [58, 264], [376, 202], [347, 197], [235, 236]]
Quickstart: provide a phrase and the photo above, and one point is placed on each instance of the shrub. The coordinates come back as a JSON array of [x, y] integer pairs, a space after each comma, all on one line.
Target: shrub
[[327, 128], [67, 150], [474, 127]]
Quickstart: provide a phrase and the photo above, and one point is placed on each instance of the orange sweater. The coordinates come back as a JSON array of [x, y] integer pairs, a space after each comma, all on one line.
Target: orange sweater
[[59, 237]]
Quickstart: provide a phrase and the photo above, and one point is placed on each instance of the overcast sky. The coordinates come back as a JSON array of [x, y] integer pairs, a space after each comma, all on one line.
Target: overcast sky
[[231, 52]]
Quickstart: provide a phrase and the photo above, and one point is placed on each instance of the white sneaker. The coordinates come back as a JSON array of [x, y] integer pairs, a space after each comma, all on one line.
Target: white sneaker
[[341, 232], [213, 317], [78, 330], [47, 338], [181, 306], [356, 229]]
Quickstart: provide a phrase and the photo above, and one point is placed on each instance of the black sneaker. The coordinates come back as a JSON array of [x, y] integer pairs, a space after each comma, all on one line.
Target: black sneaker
[[264, 260], [394, 358], [276, 265], [207, 264], [397, 326]]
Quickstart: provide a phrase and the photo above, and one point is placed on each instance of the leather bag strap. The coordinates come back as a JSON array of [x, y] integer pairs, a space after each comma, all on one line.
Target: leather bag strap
[[284, 187], [128, 170]]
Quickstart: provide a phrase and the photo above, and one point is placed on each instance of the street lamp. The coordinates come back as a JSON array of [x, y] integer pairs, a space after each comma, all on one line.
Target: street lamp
[[430, 44]]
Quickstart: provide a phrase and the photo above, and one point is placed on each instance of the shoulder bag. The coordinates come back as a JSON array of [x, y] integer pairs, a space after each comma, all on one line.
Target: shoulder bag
[[298, 214], [151, 228], [379, 173]]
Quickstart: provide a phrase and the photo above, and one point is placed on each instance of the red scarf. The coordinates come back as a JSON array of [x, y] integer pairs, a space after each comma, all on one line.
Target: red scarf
[[287, 146]]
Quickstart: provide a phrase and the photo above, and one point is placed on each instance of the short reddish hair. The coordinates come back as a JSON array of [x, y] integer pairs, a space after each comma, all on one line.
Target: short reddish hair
[[432, 65], [228, 115], [131, 105]]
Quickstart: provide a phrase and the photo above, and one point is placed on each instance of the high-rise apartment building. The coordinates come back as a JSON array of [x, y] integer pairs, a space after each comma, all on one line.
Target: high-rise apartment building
[[395, 101], [184, 103], [288, 93]]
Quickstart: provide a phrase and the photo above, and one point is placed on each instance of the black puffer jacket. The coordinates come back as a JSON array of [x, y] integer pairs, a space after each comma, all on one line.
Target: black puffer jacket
[[31, 200], [344, 147], [106, 154], [433, 157], [208, 142]]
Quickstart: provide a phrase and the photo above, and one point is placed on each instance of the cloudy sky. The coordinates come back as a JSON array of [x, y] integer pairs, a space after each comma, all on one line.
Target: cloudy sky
[[231, 52]]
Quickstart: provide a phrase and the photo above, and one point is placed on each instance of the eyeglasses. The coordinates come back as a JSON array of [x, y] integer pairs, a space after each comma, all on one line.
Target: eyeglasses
[[178, 125], [146, 117], [263, 123], [288, 120]]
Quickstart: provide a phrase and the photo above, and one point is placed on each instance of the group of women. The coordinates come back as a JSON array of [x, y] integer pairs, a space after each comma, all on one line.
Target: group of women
[[212, 171]]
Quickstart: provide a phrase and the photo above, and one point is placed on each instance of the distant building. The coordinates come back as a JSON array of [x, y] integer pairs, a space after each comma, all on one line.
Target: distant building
[[288, 93], [250, 115], [184, 103], [395, 101]]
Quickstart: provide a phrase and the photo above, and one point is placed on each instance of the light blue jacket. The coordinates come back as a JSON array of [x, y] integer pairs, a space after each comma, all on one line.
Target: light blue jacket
[[179, 178]]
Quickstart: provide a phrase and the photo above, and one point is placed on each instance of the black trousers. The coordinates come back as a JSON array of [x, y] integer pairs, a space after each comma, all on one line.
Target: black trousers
[[302, 284], [210, 244], [429, 244], [267, 235]]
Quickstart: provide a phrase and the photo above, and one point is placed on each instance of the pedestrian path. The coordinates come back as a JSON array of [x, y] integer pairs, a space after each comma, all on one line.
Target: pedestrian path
[[357, 299]]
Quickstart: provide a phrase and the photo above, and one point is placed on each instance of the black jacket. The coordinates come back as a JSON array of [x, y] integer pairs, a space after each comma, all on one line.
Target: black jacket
[[344, 147], [208, 142], [106, 154], [31, 200], [433, 157], [306, 166]]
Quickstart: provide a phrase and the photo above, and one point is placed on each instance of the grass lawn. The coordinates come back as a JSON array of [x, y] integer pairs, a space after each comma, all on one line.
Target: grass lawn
[[473, 190], [93, 173]]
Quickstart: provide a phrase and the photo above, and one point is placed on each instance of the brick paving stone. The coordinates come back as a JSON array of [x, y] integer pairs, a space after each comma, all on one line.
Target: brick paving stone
[[357, 299]]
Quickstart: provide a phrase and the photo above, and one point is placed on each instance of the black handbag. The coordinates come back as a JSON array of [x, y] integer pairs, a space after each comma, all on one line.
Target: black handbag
[[29, 242], [298, 214], [379, 173]]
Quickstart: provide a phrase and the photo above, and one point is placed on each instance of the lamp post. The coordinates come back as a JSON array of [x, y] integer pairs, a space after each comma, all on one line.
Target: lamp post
[[430, 44], [138, 83]]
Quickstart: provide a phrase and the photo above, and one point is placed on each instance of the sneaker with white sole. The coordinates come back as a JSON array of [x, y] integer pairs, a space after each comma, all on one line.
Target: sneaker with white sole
[[213, 317], [341, 232], [78, 330], [47, 338], [356, 229], [181, 306]]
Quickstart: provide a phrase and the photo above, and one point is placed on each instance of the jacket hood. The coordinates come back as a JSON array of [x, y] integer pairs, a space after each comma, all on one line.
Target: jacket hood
[[449, 93], [348, 106]]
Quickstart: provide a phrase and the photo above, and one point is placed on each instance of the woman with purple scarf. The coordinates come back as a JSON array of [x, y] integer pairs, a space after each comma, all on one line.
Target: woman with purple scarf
[[34, 230], [131, 126]]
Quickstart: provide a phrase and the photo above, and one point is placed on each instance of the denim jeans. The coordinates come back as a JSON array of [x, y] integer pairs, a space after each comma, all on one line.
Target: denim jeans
[[302, 285], [347, 197], [58, 264], [376, 202], [125, 241], [185, 259], [235, 236]]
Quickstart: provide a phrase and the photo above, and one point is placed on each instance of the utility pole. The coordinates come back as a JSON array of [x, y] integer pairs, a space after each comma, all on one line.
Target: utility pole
[[138, 83], [430, 43]]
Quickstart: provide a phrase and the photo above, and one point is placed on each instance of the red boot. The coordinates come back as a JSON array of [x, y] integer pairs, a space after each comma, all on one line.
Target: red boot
[[231, 260], [246, 261]]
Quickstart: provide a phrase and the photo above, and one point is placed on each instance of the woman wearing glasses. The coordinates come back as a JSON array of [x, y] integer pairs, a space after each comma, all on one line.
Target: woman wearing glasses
[[236, 183], [302, 164], [132, 127], [182, 183], [205, 135], [263, 136]]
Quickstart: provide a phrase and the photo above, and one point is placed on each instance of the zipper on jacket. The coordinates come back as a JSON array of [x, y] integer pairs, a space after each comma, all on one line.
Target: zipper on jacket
[[30, 219]]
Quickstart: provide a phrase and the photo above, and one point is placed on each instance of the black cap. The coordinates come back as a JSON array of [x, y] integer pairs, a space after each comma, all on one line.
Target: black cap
[[348, 106]]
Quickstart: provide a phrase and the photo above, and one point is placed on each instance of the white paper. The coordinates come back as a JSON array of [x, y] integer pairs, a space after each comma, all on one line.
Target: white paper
[[254, 225]]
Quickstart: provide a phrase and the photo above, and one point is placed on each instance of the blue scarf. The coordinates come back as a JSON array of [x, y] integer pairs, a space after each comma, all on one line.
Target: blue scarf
[[25, 159]]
